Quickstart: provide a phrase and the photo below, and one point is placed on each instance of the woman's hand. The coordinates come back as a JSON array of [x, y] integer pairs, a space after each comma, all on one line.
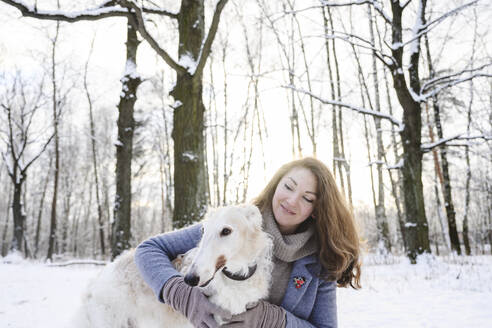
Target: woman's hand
[[192, 303], [262, 315]]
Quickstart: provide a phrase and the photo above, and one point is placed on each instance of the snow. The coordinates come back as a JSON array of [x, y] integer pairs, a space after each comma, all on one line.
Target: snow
[[188, 62], [416, 30], [189, 156], [449, 292], [131, 69], [398, 165], [177, 104], [436, 292]]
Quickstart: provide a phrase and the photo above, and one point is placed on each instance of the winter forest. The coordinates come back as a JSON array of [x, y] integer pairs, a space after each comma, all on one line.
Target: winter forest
[[123, 119]]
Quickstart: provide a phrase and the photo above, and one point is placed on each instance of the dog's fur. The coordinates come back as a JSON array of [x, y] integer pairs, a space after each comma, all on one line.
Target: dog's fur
[[120, 298]]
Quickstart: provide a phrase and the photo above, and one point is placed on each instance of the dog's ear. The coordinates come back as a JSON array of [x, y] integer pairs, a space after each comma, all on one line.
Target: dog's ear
[[253, 214]]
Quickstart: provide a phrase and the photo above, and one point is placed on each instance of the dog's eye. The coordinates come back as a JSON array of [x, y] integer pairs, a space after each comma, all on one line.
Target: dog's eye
[[225, 232]]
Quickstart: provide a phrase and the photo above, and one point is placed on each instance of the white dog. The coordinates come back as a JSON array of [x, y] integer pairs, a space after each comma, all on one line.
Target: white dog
[[232, 264]]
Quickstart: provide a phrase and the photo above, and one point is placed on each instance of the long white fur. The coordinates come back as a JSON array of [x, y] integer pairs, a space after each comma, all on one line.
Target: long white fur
[[119, 298]]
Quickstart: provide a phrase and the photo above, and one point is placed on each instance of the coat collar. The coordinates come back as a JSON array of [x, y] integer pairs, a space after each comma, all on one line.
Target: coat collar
[[308, 268]]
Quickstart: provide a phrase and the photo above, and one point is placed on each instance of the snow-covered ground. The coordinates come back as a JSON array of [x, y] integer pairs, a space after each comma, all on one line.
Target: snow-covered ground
[[436, 292]]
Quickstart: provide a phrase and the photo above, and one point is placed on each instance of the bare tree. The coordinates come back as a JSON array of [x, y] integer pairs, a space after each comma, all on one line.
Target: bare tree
[[21, 103], [56, 111], [94, 152], [411, 94]]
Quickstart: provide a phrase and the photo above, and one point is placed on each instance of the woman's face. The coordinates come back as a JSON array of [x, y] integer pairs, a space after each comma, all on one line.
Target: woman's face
[[294, 199]]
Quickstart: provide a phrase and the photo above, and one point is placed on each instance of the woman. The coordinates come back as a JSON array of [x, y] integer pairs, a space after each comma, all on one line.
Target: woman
[[316, 248]]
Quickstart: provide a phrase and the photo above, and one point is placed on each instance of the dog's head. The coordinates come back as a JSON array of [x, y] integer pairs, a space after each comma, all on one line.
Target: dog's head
[[232, 237]]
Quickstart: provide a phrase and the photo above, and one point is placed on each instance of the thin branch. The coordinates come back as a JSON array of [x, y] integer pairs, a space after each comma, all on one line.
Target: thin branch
[[449, 13], [423, 97], [375, 4], [140, 25], [361, 110], [205, 51], [58, 15], [429, 146], [347, 36], [448, 78], [147, 10], [23, 170], [426, 28]]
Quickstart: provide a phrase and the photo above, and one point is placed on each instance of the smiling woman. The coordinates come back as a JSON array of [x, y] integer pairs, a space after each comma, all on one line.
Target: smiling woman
[[315, 247], [293, 201], [303, 194]]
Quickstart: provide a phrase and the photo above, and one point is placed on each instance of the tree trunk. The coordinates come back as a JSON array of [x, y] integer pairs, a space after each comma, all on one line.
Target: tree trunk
[[40, 210], [7, 221], [121, 230], [381, 218], [416, 226], [94, 155], [190, 185], [466, 240], [52, 236], [445, 178], [310, 125], [19, 219], [226, 133]]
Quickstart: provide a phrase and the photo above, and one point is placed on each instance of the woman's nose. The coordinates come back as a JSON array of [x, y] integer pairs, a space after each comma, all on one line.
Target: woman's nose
[[293, 199]]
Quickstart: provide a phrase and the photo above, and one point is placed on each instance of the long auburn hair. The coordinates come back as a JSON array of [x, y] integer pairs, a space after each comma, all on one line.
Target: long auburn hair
[[335, 226]]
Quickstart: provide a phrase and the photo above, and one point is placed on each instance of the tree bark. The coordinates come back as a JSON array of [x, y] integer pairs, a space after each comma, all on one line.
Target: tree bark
[[190, 183], [40, 210], [446, 180], [121, 229], [416, 226], [19, 218], [7, 222]]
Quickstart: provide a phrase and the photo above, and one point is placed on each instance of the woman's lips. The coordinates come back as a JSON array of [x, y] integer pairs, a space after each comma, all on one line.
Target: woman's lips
[[287, 210]]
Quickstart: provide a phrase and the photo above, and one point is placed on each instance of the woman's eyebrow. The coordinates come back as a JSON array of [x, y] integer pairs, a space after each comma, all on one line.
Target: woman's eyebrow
[[294, 181]]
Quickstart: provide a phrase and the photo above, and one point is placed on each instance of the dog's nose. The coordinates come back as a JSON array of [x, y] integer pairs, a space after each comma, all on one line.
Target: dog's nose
[[191, 279]]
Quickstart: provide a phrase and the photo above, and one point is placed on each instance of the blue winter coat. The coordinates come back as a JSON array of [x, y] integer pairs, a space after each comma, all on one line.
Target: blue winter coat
[[313, 304]]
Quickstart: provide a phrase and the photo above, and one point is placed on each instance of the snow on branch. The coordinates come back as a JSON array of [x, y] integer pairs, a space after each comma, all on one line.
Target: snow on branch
[[429, 146], [451, 83], [396, 166], [377, 6], [140, 25], [361, 110], [449, 13], [421, 29], [59, 15], [446, 79]]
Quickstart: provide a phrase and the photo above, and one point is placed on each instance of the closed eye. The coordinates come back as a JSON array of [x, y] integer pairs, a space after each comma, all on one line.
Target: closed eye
[[225, 232], [308, 200], [288, 187]]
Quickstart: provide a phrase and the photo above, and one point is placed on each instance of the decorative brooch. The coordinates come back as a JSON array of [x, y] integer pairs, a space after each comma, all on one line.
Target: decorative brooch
[[299, 281]]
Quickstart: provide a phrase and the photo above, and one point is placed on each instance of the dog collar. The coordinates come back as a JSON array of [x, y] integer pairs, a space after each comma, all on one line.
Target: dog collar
[[239, 277]]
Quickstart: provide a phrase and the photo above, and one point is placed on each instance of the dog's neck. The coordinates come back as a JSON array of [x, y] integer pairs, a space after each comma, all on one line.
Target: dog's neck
[[240, 277]]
